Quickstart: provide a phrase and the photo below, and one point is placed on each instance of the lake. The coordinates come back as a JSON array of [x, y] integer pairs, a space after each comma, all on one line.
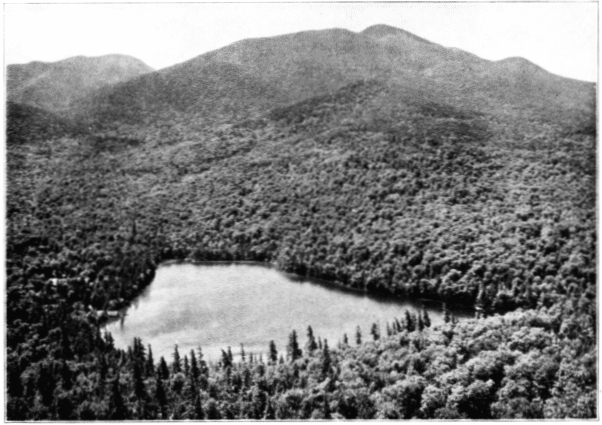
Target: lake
[[216, 305]]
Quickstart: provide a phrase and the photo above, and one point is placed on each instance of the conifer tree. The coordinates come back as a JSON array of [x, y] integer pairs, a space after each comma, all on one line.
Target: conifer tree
[[273, 357], [226, 360], [117, 408], [358, 336], [293, 350], [177, 363], [199, 413], [186, 366], [410, 324], [161, 397], [202, 363], [326, 360], [194, 366], [311, 345], [374, 332], [162, 369], [150, 362]]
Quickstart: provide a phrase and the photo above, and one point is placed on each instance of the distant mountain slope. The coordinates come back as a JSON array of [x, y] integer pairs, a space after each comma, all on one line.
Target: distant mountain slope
[[54, 86], [252, 76], [26, 123]]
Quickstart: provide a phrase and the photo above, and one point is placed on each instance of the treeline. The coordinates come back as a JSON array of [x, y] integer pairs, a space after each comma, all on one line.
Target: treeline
[[355, 187]]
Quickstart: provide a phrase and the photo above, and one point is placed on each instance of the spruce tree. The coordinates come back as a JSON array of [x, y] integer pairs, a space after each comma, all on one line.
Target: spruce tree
[[199, 413], [358, 336], [177, 364], [293, 350], [311, 340], [194, 367], [226, 360], [374, 332], [117, 408], [186, 366], [161, 397], [150, 362], [326, 360], [273, 357], [410, 325], [162, 369]]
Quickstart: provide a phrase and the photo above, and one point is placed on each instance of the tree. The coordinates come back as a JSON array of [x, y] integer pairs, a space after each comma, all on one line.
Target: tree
[[177, 363], [199, 413], [195, 371], [273, 356], [162, 369], [410, 324], [311, 345], [293, 350], [358, 336], [326, 360], [242, 353], [226, 360], [117, 408], [150, 363], [375, 332], [161, 397]]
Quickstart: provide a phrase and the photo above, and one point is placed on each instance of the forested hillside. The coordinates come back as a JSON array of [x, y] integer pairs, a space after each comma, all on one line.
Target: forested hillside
[[377, 184]]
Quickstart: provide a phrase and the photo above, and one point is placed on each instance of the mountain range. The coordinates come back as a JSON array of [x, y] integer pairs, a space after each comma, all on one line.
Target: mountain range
[[250, 77]]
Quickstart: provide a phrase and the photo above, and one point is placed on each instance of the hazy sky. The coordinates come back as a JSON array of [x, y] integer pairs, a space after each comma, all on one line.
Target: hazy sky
[[561, 37]]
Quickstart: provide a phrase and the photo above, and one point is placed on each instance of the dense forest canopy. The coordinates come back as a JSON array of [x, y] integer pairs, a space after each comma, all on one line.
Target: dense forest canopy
[[449, 178]]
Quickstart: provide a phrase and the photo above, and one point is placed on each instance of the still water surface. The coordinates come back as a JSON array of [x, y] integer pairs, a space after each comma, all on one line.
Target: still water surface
[[216, 305]]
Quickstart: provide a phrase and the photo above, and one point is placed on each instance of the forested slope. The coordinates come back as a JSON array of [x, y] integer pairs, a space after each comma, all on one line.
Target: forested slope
[[402, 197]]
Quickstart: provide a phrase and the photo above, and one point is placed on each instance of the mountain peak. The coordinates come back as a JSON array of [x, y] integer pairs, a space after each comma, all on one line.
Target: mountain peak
[[380, 31]]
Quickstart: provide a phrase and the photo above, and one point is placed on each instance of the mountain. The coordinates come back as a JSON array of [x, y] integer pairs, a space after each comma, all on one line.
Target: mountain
[[55, 85], [250, 77]]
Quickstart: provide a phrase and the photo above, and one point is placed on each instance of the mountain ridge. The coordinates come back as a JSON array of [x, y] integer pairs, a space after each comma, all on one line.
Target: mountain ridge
[[275, 71], [55, 85]]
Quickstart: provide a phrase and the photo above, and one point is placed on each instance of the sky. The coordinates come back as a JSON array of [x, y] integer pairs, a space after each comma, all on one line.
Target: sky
[[560, 37]]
